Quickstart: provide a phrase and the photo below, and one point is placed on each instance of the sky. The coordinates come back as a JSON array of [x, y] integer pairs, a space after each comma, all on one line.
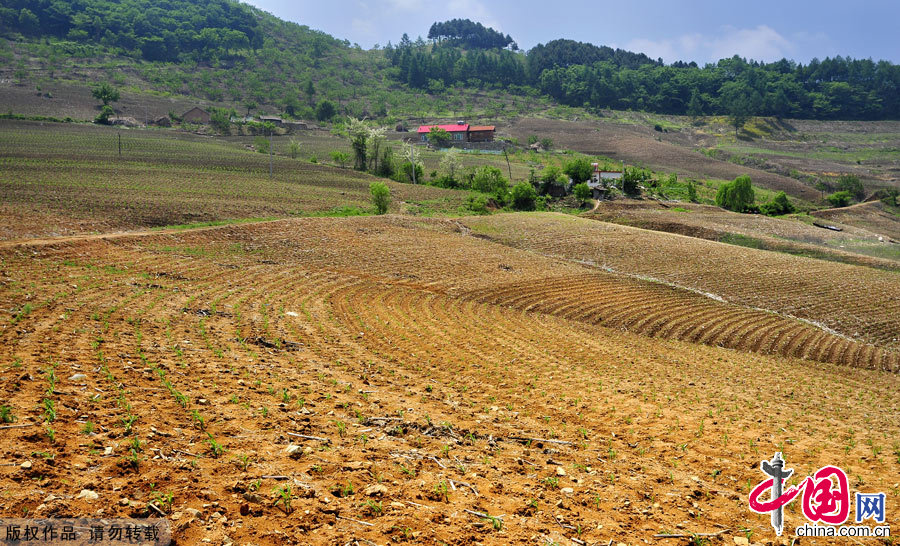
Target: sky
[[700, 30]]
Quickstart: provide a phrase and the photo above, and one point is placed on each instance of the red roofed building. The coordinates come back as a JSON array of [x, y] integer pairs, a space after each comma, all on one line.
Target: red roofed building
[[461, 132], [458, 132]]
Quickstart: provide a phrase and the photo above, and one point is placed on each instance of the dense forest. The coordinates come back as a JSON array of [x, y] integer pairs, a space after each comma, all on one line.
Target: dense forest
[[160, 30], [579, 74], [241, 48]]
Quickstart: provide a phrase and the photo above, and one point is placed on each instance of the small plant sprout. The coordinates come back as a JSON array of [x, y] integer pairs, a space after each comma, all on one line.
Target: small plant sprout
[[6, 415], [215, 448], [342, 428], [88, 428], [51, 434], [441, 491], [243, 461], [373, 507], [284, 498]]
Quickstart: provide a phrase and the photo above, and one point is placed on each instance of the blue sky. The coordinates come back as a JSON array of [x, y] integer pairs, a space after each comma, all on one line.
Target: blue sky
[[700, 30]]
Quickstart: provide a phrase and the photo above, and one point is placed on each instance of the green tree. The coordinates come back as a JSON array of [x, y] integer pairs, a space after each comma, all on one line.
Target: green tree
[[340, 157], [840, 198], [439, 138], [582, 192], [695, 105], [450, 166], [579, 170], [523, 196], [736, 195], [490, 180], [105, 93], [779, 205], [631, 180], [325, 110], [105, 113], [310, 91], [692, 191], [852, 185], [358, 132], [220, 119], [250, 105], [381, 196]]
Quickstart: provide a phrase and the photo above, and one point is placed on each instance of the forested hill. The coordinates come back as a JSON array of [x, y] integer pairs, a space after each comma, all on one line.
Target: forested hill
[[579, 74], [226, 51]]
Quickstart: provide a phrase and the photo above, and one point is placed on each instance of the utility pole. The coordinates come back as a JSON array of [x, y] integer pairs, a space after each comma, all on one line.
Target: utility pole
[[412, 160], [270, 154], [120, 143]]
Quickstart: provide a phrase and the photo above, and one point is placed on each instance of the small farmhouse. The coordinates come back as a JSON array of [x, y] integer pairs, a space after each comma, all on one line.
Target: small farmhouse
[[601, 181], [461, 132], [458, 132], [196, 115], [274, 120], [481, 133]]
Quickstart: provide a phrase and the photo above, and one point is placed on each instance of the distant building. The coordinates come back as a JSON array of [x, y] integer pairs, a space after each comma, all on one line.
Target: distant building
[[458, 132], [162, 121], [196, 115], [481, 133], [602, 181], [461, 132], [274, 120]]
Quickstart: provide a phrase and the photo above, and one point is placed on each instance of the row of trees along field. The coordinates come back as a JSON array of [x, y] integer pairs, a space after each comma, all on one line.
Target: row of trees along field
[[579, 74]]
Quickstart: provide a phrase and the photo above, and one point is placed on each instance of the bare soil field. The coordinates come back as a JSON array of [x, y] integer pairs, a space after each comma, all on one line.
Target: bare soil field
[[873, 216], [793, 234], [861, 303], [642, 146], [63, 179], [360, 370]]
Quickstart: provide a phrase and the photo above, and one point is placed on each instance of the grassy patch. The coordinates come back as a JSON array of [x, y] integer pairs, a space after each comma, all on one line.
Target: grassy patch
[[214, 223]]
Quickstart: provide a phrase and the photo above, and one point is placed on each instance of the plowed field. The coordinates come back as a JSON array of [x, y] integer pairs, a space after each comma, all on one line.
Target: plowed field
[[434, 378], [858, 302]]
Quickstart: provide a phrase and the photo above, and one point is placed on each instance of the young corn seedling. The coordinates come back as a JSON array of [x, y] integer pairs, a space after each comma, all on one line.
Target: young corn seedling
[[6, 415], [215, 448], [284, 498], [373, 507]]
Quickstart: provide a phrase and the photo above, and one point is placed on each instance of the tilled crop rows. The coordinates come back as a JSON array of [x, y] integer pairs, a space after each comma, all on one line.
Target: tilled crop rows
[[361, 369], [858, 302]]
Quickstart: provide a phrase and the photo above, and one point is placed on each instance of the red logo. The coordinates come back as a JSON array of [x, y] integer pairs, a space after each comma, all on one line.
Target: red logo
[[826, 494]]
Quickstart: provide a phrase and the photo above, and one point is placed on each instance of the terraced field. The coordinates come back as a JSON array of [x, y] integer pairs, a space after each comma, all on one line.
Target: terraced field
[[383, 375], [64, 179], [793, 235], [857, 302]]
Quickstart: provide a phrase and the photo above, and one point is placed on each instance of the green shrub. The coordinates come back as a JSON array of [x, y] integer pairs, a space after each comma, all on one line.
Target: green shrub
[[777, 206], [490, 180], [523, 196], [261, 144], [840, 198], [851, 184], [582, 192], [736, 195], [105, 113], [476, 203], [632, 178], [381, 196]]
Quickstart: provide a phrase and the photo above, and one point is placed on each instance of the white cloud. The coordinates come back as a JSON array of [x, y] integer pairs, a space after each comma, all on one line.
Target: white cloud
[[474, 10], [762, 43], [363, 28], [406, 5]]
